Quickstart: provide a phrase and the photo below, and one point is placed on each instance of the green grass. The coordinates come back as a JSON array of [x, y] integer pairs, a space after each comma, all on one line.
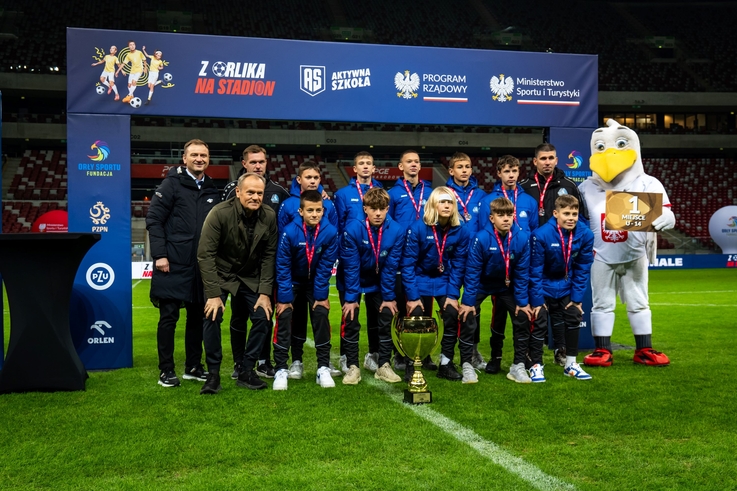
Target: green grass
[[631, 427]]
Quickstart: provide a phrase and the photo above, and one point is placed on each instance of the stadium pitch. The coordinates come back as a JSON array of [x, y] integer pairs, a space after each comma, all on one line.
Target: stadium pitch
[[631, 427]]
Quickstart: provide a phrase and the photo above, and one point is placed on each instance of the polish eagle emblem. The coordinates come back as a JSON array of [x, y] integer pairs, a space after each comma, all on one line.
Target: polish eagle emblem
[[501, 88], [407, 84]]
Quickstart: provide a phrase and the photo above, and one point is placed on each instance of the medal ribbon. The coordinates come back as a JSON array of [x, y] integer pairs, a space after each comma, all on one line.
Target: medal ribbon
[[513, 202], [310, 253], [464, 205], [438, 247], [542, 192], [358, 186], [566, 257], [506, 255], [375, 247], [415, 204]]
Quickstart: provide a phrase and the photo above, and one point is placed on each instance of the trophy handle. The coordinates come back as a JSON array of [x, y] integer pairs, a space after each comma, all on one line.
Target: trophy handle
[[395, 337], [439, 321]]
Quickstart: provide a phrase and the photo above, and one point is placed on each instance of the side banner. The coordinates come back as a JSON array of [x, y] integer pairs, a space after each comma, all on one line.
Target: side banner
[[99, 201], [572, 147], [2, 296], [235, 77]]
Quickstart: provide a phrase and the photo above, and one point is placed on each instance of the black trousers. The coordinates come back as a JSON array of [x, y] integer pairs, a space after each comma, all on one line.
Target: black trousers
[[498, 326], [565, 323], [168, 317], [255, 341], [284, 331], [454, 330], [349, 331], [372, 325], [528, 336], [238, 331]]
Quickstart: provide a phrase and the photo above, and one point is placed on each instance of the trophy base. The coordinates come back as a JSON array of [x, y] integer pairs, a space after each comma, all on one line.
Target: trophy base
[[417, 397]]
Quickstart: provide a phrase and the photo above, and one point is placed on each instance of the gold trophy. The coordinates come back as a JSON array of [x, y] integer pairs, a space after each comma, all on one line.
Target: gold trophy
[[416, 338]]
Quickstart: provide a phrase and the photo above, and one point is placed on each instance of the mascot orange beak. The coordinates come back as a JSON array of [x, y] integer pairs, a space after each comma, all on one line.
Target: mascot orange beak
[[612, 162]]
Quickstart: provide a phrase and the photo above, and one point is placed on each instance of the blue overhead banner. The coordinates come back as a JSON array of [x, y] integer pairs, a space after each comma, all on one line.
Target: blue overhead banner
[[98, 169], [232, 77]]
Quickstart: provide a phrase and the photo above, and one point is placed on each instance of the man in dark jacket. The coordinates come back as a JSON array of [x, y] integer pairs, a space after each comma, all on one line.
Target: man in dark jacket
[[237, 257], [174, 221], [255, 160], [548, 183]]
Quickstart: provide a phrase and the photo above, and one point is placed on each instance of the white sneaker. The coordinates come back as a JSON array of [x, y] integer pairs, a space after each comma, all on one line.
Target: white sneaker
[[296, 370], [370, 362], [574, 370], [469, 374], [385, 373], [353, 376], [518, 374], [280, 379], [323, 378], [334, 372], [344, 363], [537, 374], [477, 360]]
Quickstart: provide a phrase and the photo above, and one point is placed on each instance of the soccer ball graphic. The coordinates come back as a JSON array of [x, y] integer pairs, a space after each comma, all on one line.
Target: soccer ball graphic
[[100, 89], [135, 102], [218, 68], [167, 77]]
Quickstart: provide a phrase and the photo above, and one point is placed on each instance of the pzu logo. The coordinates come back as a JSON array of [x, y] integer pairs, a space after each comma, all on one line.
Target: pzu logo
[[100, 276], [312, 79]]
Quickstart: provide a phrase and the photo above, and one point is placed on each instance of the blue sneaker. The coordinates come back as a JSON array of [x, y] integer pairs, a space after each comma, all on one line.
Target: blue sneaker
[[574, 370], [537, 374]]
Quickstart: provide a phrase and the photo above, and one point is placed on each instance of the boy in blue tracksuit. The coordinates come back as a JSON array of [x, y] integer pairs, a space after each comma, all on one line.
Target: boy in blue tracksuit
[[370, 252], [407, 200], [525, 218], [433, 265], [468, 194], [307, 250], [562, 254], [498, 264], [349, 206], [308, 178]]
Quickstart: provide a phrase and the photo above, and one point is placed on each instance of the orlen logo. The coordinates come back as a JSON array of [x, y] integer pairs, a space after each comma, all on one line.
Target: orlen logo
[[100, 327], [100, 276], [312, 79], [576, 158], [102, 151]]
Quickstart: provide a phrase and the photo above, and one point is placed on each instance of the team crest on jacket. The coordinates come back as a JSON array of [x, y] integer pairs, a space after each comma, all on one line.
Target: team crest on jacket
[[274, 198], [562, 191], [612, 236], [523, 214]]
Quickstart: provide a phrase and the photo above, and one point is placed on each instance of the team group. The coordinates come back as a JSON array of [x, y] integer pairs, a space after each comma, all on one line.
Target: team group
[[273, 251]]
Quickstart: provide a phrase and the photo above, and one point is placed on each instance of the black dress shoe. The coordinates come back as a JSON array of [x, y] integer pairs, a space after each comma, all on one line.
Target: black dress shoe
[[494, 366], [428, 364], [250, 380], [448, 371], [408, 372], [212, 385]]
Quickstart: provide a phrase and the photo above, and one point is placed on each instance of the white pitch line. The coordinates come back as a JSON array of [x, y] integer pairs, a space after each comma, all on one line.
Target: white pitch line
[[692, 293], [490, 450], [691, 305], [136, 284]]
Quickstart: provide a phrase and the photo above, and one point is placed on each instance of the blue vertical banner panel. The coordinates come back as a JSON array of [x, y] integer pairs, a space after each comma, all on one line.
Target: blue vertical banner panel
[[98, 148], [573, 148], [235, 77]]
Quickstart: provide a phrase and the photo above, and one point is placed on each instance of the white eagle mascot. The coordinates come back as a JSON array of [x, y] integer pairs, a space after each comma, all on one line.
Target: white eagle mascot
[[621, 258]]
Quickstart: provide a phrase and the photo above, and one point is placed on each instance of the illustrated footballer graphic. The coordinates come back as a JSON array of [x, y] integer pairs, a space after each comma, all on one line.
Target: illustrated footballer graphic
[[622, 258], [132, 63]]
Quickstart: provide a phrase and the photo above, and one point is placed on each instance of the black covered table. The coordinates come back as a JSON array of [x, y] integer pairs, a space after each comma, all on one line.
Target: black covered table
[[38, 271]]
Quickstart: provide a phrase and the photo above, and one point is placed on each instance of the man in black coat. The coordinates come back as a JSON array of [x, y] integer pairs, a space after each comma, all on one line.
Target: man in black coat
[[255, 159], [174, 222]]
